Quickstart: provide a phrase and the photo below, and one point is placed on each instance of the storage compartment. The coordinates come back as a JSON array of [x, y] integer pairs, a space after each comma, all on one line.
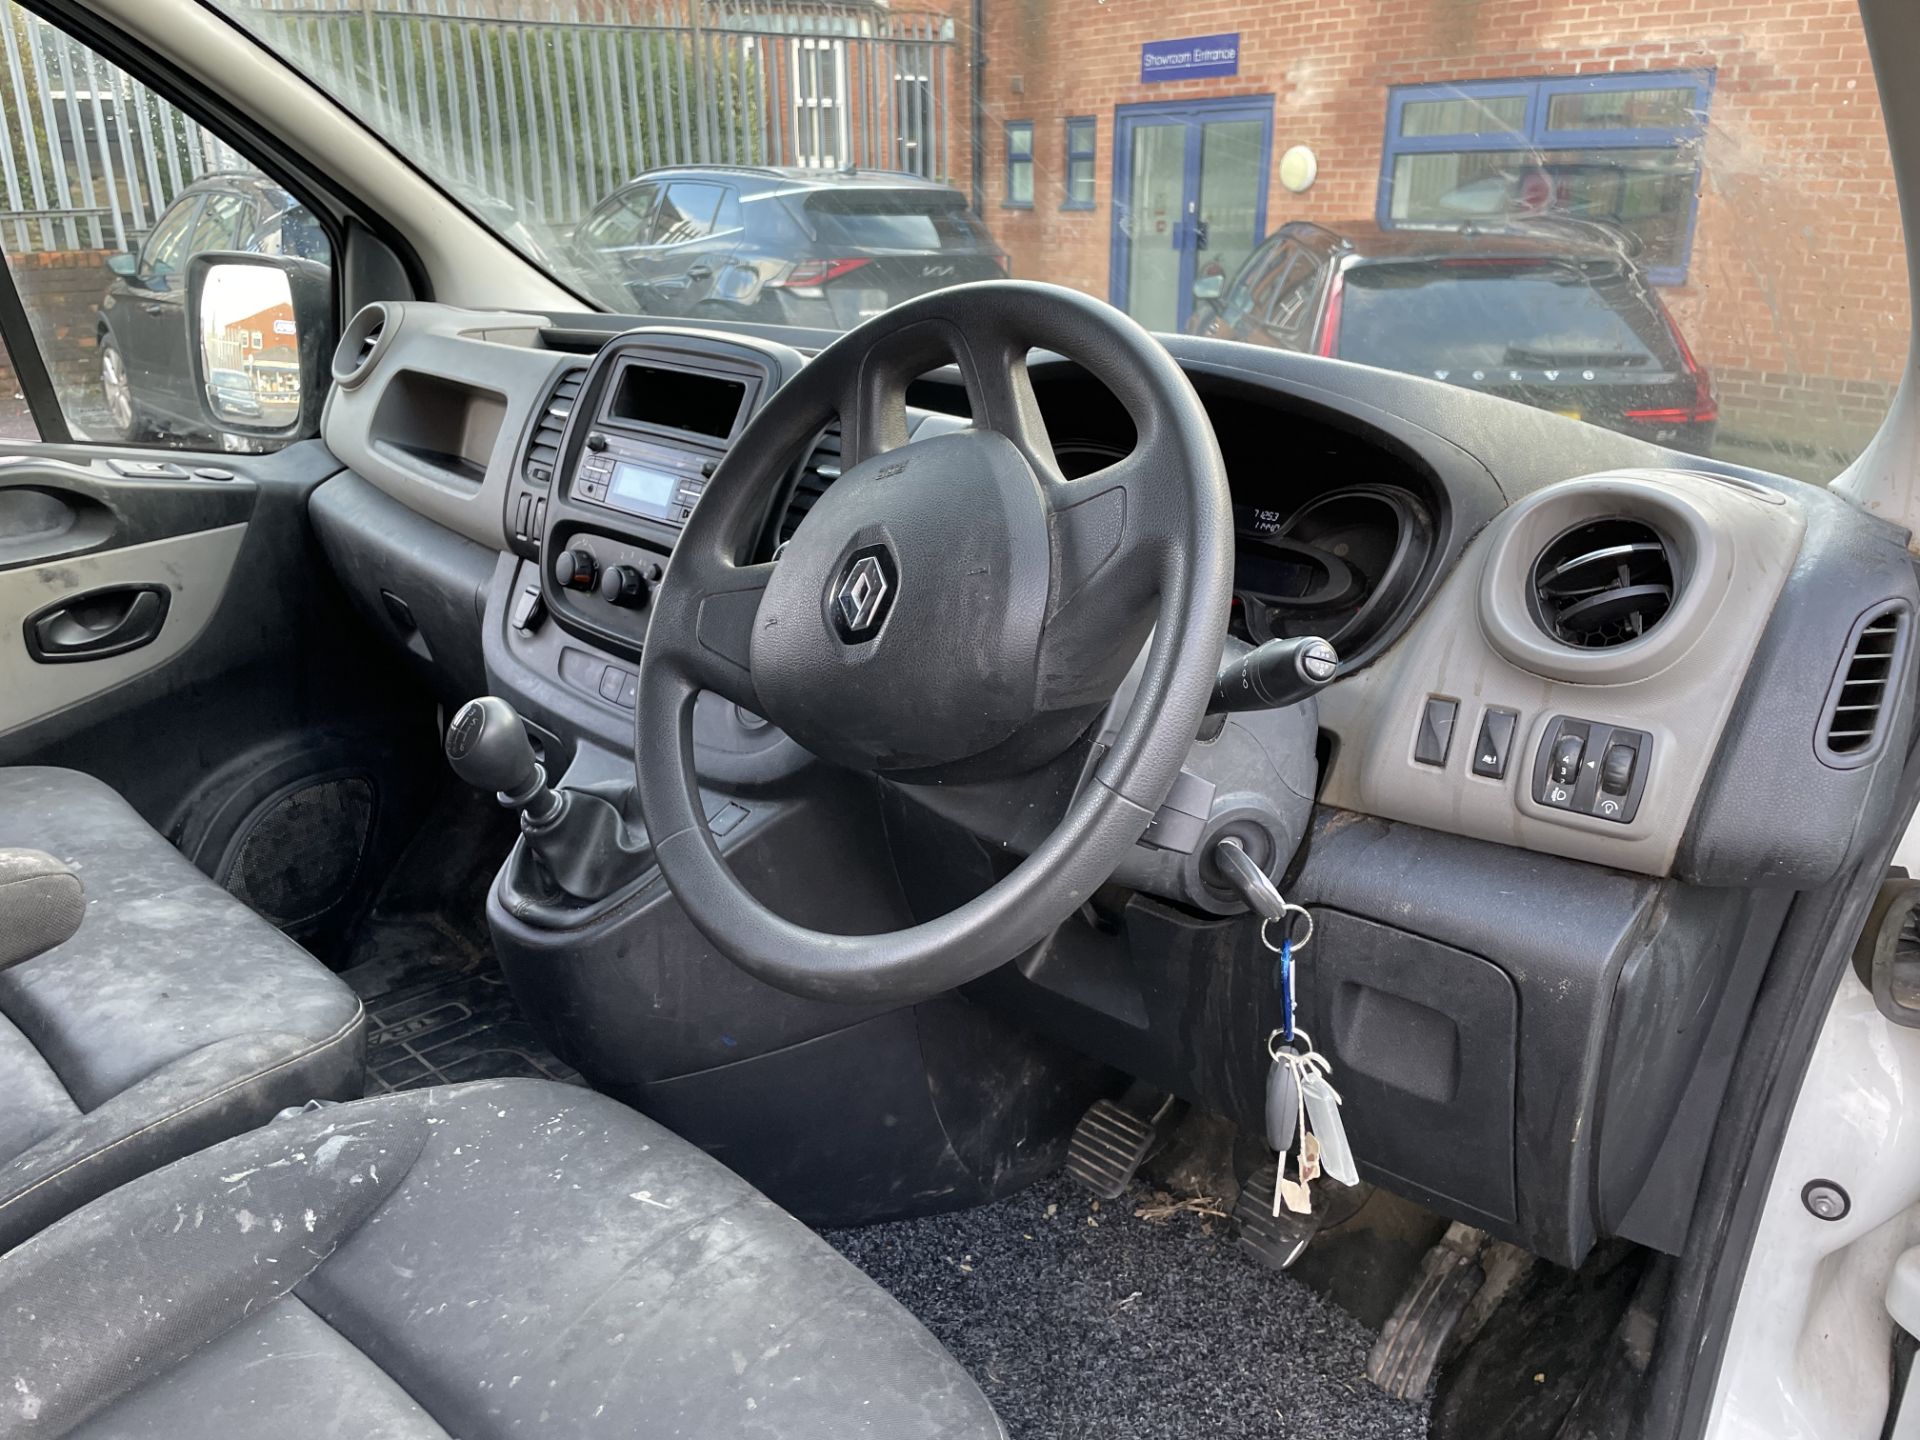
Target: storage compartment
[[677, 399], [1421, 1037], [425, 420]]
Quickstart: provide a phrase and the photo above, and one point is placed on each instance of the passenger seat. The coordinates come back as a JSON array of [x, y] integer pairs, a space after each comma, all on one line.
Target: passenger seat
[[172, 1019]]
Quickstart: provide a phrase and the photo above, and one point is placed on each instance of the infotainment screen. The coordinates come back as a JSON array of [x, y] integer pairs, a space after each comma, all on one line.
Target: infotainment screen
[[677, 400], [642, 490]]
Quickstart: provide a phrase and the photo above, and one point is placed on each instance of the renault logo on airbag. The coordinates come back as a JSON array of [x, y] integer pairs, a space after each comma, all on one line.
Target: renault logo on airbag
[[864, 594]]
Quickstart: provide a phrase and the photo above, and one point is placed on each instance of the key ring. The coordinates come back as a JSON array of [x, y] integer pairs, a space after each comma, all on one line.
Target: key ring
[[1289, 908], [1274, 1042]]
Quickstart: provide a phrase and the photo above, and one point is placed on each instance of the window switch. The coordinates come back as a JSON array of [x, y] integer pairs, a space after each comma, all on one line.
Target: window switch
[[1495, 744], [1430, 746]]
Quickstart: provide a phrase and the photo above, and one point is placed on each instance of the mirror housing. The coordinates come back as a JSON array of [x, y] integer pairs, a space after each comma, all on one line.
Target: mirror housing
[[125, 264], [1209, 287], [259, 332]]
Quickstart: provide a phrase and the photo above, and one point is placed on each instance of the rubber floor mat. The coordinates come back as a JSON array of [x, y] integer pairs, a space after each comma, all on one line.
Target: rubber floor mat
[[1084, 1318], [466, 1027]]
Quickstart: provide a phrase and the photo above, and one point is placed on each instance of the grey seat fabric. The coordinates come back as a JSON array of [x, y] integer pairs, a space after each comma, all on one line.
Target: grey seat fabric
[[173, 1018], [504, 1258], [41, 904]]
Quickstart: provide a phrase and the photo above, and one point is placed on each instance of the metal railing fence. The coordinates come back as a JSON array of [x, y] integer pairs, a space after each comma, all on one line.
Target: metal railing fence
[[542, 107], [89, 158]]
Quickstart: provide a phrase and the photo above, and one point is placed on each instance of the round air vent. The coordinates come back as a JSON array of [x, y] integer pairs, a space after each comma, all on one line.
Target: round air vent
[[359, 344], [1605, 583]]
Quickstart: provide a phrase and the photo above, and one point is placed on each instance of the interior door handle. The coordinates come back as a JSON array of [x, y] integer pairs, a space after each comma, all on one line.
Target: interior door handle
[[97, 624], [699, 270]]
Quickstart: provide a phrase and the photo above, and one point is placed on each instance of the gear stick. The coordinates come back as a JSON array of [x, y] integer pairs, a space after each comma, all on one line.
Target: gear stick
[[488, 748], [580, 838]]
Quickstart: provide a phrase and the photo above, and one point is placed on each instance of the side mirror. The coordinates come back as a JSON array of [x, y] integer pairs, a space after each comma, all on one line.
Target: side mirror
[[124, 264], [260, 329], [1209, 287]]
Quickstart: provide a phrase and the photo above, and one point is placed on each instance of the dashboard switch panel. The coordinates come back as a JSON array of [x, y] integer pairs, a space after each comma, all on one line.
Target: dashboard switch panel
[[1430, 746], [1587, 767]]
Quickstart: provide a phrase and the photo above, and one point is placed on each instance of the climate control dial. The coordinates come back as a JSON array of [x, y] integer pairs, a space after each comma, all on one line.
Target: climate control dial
[[575, 569], [625, 586]]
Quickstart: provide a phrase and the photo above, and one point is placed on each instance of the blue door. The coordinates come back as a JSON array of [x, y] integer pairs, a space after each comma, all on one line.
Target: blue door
[[1190, 194]]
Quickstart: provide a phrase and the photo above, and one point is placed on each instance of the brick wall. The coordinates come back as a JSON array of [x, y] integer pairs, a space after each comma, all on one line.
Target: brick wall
[[1796, 295], [61, 290]]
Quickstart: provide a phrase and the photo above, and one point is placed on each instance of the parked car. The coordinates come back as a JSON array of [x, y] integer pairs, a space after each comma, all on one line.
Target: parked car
[[146, 372], [782, 246], [1561, 318]]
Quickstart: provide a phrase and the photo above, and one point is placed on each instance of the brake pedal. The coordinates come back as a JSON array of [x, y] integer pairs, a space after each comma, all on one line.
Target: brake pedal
[[1409, 1346], [1275, 1240], [1116, 1137]]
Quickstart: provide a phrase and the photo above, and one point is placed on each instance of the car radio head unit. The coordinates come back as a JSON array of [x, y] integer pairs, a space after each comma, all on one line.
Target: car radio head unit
[[643, 489], [660, 423]]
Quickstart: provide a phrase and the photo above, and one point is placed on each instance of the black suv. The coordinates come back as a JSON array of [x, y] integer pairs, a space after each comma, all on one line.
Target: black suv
[[782, 246], [1559, 317], [146, 373]]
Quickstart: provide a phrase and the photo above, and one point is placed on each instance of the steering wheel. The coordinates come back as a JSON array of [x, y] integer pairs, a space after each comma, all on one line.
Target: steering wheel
[[950, 610]]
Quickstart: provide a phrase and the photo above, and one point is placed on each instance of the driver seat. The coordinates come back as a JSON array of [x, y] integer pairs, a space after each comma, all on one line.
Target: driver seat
[[504, 1258]]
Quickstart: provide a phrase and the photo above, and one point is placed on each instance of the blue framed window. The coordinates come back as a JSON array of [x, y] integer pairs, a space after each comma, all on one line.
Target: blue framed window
[[1082, 131], [1019, 194], [1623, 150]]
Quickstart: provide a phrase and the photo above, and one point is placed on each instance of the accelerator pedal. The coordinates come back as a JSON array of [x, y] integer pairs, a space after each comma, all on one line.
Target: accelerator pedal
[[1116, 1137], [1409, 1347]]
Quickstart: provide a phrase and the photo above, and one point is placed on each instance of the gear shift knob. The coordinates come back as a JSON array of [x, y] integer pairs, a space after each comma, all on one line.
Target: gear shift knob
[[488, 748]]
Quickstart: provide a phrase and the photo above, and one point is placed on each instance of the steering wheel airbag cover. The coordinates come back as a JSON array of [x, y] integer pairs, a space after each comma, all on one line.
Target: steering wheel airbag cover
[[953, 534]]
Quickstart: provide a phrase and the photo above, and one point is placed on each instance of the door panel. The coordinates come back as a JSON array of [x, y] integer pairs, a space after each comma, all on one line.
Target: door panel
[[192, 570], [1157, 224], [1232, 154], [257, 654]]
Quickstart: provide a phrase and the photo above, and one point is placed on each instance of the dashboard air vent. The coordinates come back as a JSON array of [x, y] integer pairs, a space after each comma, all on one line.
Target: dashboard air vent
[[1604, 583], [1853, 719], [821, 470], [369, 342], [359, 343], [543, 445]]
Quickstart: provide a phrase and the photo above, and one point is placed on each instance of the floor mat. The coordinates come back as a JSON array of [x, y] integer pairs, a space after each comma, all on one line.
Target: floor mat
[[1078, 1317], [466, 1027], [439, 1010]]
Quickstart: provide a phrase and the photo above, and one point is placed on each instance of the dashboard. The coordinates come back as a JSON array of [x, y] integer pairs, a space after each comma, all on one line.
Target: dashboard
[[1601, 711], [1539, 613]]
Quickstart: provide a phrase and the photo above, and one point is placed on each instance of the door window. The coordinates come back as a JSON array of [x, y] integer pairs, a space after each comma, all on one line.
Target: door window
[[687, 213], [96, 359], [1157, 224], [624, 223], [162, 255], [223, 225], [1283, 302]]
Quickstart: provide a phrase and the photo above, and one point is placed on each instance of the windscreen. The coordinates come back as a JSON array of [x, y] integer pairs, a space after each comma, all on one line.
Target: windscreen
[[1164, 157]]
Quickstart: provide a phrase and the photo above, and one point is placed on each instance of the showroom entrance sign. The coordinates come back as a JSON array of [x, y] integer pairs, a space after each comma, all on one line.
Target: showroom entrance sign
[[1197, 57]]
